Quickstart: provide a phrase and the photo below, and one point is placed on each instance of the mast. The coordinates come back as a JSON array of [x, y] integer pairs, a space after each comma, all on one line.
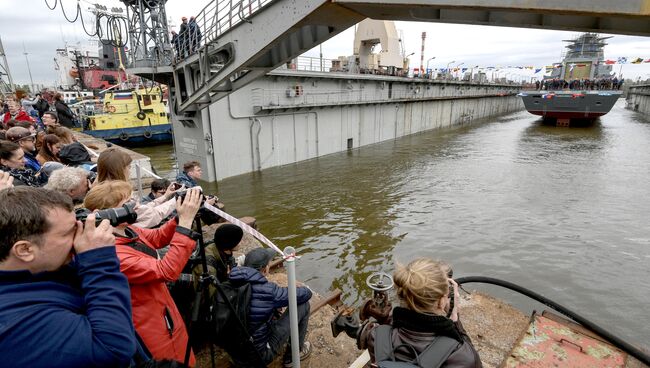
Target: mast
[[424, 37]]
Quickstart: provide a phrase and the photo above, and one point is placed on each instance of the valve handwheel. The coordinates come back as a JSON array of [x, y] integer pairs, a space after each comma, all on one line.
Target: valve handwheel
[[376, 281]]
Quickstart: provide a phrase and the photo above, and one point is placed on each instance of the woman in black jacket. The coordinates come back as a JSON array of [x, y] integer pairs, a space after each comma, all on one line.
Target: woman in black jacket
[[65, 115], [423, 318]]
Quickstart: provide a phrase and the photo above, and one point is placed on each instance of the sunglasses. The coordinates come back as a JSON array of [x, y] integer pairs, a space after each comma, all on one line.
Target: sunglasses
[[30, 138]]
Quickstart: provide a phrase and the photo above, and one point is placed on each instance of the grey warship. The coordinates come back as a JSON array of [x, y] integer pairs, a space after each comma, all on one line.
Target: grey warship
[[580, 88]]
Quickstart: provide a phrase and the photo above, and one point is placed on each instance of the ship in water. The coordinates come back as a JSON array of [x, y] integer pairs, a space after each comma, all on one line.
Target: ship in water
[[110, 104], [580, 88]]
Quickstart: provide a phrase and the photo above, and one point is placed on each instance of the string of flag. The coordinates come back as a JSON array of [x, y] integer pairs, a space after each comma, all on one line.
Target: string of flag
[[547, 69]]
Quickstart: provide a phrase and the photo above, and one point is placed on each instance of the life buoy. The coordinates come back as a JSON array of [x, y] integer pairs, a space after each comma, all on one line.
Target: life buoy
[[124, 136], [140, 115], [147, 134], [111, 109]]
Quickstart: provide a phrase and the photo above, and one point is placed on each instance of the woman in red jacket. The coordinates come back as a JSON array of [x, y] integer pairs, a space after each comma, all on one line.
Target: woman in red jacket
[[155, 316]]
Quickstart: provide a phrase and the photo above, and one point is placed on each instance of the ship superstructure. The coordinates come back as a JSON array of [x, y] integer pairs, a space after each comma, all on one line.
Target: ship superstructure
[[581, 87]]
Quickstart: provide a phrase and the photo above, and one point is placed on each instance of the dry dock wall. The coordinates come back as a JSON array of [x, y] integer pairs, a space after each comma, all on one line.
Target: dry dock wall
[[287, 116], [638, 98]]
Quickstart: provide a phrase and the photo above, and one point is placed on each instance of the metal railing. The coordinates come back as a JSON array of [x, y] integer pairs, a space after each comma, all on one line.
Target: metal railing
[[265, 98], [209, 24]]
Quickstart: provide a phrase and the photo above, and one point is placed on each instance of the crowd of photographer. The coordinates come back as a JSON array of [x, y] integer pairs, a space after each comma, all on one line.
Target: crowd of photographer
[[95, 293]]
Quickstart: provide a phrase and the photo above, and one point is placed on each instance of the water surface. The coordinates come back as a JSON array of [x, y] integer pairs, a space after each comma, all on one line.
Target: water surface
[[562, 211]]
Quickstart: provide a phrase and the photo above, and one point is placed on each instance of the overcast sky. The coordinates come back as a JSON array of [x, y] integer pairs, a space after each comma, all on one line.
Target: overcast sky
[[41, 30]]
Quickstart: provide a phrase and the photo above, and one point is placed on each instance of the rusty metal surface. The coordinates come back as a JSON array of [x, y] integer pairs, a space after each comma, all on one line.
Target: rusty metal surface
[[552, 343]]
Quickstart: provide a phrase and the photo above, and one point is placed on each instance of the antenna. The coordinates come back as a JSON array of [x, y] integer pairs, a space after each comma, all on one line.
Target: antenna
[[28, 68]]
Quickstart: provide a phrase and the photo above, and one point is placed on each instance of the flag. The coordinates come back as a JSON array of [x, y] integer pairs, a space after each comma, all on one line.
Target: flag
[[637, 61], [622, 60], [610, 62], [538, 70]]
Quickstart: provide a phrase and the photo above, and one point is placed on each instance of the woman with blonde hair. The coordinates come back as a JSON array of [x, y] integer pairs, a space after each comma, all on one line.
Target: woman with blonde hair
[[425, 323], [155, 315]]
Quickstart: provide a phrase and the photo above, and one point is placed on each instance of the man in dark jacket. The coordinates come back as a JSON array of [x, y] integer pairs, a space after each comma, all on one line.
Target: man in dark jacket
[[63, 112], [195, 35], [42, 105], [53, 314], [270, 334], [191, 173]]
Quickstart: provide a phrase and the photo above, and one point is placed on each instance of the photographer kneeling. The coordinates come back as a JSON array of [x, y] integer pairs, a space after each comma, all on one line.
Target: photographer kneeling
[[155, 316], [421, 321]]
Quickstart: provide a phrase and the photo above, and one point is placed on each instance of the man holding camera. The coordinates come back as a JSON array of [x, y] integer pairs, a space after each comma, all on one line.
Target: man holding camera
[[54, 312]]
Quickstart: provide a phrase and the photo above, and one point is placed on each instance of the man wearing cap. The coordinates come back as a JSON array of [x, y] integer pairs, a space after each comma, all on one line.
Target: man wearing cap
[[184, 37], [270, 334], [27, 141]]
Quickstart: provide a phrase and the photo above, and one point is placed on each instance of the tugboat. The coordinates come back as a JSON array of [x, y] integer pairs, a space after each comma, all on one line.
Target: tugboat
[[130, 117], [580, 89]]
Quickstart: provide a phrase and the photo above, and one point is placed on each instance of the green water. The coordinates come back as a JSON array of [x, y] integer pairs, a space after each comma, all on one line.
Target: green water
[[561, 211]]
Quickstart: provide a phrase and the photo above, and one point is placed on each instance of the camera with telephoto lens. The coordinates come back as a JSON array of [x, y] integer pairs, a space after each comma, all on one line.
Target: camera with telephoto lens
[[208, 217], [115, 216]]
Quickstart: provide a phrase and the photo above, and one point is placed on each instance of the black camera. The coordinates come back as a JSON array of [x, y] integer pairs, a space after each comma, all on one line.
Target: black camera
[[115, 216]]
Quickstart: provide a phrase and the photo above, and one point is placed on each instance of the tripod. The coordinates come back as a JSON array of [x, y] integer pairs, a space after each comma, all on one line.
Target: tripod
[[202, 293]]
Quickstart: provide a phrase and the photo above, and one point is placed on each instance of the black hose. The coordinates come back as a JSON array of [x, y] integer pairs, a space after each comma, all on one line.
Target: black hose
[[619, 343]]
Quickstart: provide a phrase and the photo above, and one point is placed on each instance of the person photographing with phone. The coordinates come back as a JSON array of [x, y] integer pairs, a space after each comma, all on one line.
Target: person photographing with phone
[[425, 329]]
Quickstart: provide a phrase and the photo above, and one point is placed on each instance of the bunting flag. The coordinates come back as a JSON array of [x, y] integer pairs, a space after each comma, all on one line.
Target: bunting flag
[[535, 69]]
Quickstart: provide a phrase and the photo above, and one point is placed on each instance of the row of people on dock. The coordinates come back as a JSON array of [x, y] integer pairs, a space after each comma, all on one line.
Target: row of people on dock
[[23, 107], [557, 84]]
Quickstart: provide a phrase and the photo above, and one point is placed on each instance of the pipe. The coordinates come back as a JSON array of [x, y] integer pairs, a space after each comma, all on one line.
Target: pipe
[[616, 341], [290, 255], [333, 298]]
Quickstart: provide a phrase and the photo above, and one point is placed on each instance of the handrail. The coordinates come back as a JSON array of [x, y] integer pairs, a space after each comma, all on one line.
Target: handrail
[[215, 19]]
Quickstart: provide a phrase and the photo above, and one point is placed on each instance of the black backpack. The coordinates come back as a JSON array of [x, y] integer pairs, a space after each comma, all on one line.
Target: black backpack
[[230, 318], [432, 357], [74, 154]]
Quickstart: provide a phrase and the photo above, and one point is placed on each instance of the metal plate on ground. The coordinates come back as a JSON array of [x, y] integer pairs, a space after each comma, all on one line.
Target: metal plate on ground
[[554, 342]]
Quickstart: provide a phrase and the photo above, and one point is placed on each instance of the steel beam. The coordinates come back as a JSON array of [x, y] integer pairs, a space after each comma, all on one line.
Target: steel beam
[[282, 31], [606, 16]]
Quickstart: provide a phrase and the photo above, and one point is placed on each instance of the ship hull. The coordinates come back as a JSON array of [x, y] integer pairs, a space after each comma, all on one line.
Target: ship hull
[[571, 105], [135, 136]]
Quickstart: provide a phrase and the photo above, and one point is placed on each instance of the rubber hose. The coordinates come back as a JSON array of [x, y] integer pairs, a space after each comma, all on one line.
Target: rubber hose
[[619, 343]]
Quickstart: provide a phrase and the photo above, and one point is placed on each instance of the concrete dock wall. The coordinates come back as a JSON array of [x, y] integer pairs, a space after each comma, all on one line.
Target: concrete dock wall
[[638, 98], [289, 116]]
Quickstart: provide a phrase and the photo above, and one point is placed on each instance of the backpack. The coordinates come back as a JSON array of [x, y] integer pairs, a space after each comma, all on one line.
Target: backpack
[[74, 154], [435, 354], [230, 321]]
